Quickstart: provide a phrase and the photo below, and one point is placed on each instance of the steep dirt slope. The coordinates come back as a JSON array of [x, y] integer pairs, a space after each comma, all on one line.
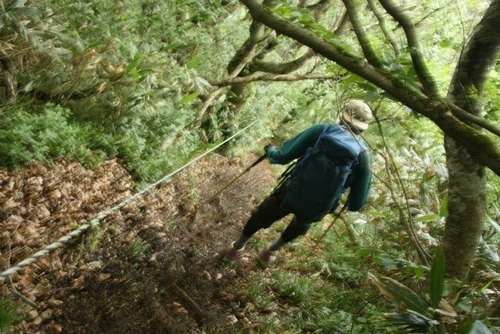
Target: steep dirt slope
[[151, 267]]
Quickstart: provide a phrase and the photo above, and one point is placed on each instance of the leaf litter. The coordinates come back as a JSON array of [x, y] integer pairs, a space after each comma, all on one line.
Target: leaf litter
[[152, 266]]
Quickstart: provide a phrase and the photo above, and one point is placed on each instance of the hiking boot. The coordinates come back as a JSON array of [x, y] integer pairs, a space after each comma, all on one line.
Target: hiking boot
[[232, 254], [266, 256]]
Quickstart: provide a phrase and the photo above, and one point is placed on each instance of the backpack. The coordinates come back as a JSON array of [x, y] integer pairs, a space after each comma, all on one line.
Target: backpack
[[314, 185]]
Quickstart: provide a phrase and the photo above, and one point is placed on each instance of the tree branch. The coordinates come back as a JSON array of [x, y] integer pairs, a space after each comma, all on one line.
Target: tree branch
[[9, 79], [473, 119], [363, 40], [247, 51], [241, 59], [381, 24], [419, 22], [480, 146], [342, 25], [282, 68], [478, 56], [270, 77], [423, 73]]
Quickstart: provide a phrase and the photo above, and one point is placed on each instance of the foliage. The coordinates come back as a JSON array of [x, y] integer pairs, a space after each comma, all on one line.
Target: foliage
[[8, 314], [424, 314], [43, 136], [137, 250], [103, 78]]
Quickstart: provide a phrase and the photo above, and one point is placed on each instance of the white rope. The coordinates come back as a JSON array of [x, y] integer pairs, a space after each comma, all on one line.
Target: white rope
[[96, 220]]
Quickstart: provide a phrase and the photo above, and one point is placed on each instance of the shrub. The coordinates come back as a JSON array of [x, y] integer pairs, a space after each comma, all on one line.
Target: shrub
[[26, 137]]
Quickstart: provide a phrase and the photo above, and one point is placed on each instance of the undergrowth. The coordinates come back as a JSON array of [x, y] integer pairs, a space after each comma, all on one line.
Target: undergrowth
[[321, 289], [8, 314], [52, 132], [328, 287]]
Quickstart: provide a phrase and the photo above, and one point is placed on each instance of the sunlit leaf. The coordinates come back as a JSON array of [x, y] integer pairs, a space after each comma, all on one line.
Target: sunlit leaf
[[436, 278], [410, 322], [427, 218], [188, 99], [443, 208], [494, 224], [401, 294]]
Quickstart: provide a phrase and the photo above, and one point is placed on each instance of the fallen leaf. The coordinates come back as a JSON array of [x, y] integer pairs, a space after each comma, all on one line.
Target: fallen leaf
[[103, 277]]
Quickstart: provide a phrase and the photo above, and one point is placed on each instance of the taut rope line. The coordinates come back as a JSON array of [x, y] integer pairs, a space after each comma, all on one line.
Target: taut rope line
[[96, 220]]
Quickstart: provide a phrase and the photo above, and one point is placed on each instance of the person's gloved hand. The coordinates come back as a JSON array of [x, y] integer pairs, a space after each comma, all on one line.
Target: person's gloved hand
[[267, 147]]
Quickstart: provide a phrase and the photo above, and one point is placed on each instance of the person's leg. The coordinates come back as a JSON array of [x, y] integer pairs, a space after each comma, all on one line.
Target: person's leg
[[268, 212], [297, 227]]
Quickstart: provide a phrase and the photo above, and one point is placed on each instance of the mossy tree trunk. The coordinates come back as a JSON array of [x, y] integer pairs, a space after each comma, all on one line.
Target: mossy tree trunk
[[467, 182]]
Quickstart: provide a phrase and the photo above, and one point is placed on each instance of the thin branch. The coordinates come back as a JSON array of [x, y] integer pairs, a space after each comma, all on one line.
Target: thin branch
[[383, 28], [282, 68], [271, 77], [421, 69], [206, 104], [241, 59], [247, 51], [471, 118], [21, 296], [419, 22], [406, 218], [342, 25], [363, 40], [12, 286]]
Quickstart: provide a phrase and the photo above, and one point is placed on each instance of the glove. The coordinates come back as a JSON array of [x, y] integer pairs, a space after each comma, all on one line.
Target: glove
[[267, 147]]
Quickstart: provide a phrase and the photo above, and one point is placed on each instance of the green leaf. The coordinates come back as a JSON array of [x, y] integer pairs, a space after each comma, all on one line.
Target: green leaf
[[473, 327], [411, 323], [443, 208], [493, 223], [400, 293], [436, 278], [194, 61], [134, 63], [284, 11], [188, 99], [427, 218]]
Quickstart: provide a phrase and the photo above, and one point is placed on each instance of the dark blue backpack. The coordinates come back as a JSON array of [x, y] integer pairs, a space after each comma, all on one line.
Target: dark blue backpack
[[319, 178]]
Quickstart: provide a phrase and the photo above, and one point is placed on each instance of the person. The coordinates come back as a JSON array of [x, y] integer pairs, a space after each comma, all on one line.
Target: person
[[309, 205]]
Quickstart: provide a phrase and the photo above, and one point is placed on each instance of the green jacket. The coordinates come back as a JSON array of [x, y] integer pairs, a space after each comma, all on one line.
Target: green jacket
[[360, 179]]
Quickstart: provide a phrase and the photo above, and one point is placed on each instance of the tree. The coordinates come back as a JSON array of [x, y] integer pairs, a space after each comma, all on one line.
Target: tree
[[466, 203], [248, 65], [456, 117]]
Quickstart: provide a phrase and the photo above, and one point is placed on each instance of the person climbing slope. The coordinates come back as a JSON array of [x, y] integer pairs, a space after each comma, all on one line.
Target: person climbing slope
[[330, 159]]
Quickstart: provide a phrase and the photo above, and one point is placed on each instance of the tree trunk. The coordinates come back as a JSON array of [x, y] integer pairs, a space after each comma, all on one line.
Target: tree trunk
[[466, 207], [467, 183]]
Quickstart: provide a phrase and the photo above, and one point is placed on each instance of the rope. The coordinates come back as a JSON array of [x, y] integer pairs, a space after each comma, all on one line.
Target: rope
[[96, 220]]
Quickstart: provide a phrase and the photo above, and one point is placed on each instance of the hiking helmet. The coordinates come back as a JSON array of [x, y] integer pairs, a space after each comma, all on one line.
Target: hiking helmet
[[356, 113]]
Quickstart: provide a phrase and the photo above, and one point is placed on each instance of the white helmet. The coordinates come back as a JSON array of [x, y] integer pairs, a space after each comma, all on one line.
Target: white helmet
[[357, 114]]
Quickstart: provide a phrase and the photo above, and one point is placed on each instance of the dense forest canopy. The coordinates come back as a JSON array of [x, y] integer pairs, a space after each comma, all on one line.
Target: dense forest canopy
[[155, 84]]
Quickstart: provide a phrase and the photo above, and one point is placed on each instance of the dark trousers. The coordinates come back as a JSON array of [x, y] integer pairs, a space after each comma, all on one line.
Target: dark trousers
[[272, 209]]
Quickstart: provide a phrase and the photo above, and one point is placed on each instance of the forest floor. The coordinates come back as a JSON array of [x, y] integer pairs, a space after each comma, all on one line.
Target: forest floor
[[151, 267]]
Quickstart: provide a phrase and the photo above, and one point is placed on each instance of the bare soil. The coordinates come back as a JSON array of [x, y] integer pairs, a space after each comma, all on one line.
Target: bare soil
[[151, 267]]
